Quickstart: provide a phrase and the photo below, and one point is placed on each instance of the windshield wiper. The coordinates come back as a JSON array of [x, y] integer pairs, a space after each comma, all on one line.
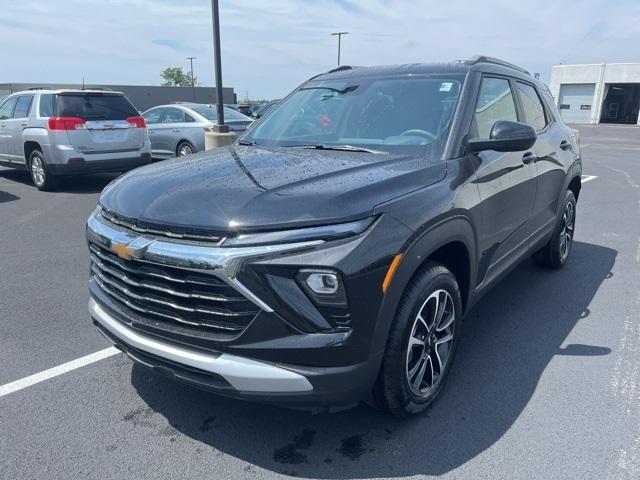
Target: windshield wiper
[[246, 143], [342, 148]]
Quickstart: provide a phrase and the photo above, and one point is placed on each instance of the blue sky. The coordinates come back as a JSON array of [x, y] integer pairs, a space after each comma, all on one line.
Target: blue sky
[[271, 46]]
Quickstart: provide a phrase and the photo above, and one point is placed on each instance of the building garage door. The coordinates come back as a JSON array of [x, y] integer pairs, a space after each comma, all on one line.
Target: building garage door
[[576, 102]]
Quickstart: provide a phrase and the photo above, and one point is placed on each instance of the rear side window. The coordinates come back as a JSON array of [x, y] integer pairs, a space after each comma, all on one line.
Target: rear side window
[[22, 106], [46, 106], [94, 106], [173, 115], [6, 109], [495, 102], [153, 116], [532, 106]]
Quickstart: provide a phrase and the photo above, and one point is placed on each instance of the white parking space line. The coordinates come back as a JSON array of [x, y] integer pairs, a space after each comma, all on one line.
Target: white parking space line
[[586, 178], [55, 371]]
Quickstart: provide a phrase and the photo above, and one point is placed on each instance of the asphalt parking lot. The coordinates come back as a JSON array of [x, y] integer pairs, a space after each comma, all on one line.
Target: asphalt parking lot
[[546, 383]]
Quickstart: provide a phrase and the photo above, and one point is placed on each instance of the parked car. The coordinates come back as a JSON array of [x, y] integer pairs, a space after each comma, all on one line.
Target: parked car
[[178, 129], [334, 250], [264, 109], [243, 108], [71, 132]]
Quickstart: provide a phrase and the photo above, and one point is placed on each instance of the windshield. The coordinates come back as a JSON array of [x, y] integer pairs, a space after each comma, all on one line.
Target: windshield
[[210, 112], [397, 114]]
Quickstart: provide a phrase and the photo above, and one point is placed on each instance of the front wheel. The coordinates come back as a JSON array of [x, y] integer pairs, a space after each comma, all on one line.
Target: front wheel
[[40, 175], [556, 252], [422, 343]]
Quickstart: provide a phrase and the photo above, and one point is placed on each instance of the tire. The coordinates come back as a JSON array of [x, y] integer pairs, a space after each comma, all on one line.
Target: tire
[[185, 148], [39, 171], [398, 389], [557, 250]]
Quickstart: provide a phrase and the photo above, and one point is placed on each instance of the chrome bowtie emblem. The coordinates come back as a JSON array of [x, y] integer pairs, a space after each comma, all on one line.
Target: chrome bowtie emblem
[[134, 248]]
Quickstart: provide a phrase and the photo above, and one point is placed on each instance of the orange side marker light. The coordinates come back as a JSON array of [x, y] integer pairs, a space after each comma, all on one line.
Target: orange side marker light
[[392, 269]]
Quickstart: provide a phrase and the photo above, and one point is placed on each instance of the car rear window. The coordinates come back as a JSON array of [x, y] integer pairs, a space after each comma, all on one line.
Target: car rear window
[[94, 106], [211, 113]]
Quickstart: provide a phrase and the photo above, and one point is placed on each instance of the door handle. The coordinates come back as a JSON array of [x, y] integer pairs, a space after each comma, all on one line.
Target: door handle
[[150, 131], [176, 130], [529, 157], [24, 124], [564, 145]]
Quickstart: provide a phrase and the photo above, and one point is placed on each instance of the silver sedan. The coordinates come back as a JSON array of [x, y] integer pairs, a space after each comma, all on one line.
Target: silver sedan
[[178, 129]]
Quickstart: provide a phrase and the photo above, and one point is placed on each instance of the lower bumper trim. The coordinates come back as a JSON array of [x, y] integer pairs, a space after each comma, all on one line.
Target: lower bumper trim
[[82, 166], [243, 374]]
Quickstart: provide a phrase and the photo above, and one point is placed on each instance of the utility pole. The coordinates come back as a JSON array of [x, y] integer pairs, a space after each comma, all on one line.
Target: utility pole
[[220, 127], [339, 34], [193, 83]]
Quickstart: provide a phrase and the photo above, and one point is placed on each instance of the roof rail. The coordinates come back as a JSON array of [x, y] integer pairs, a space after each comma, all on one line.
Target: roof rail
[[340, 68], [40, 88], [485, 59]]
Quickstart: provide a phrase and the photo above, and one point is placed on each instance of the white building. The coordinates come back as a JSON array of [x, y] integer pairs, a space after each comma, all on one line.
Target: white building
[[597, 93]]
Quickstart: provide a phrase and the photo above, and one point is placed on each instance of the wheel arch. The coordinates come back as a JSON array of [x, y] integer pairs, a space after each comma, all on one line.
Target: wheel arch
[[575, 185], [29, 147], [450, 242]]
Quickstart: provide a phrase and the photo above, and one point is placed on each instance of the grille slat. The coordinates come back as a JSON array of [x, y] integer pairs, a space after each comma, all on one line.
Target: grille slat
[[130, 281], [171, 294], [155, 272]]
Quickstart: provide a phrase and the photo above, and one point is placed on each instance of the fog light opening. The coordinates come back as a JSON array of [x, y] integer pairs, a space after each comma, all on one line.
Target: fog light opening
[[323, 283]]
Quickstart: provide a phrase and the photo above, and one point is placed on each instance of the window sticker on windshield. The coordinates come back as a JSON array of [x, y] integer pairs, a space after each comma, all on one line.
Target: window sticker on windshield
[[446, 86]]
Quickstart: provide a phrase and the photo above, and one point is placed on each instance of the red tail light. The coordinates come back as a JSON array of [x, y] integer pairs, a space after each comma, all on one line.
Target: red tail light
[[66, 123], [137, 122]]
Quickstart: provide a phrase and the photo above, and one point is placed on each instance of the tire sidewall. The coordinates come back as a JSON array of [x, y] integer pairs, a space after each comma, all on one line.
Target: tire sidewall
[[34, 154], [182, 144], [430, 280], [556, 255]]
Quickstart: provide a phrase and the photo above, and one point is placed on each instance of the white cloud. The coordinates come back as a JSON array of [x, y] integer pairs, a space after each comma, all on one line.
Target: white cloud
[[269, 47]]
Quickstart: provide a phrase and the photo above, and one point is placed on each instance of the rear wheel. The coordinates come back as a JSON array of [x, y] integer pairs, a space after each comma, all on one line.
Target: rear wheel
[[40, 175], [556, 252], [422, 343], [185, 148]]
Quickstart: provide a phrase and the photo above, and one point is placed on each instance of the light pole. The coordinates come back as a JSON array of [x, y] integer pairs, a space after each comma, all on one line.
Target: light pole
[[339, 34], [193, 84], [220, 127]]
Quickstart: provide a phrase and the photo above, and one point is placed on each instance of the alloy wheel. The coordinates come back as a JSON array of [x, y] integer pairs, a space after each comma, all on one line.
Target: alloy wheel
[[37, 170], [568, 225], [430, 343], [185, 150]]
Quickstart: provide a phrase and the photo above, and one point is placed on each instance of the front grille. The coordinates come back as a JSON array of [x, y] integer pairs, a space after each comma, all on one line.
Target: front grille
[[160, 230], [171, 295]]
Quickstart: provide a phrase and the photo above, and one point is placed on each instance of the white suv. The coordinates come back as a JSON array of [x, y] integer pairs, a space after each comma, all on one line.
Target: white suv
[[71, 132]]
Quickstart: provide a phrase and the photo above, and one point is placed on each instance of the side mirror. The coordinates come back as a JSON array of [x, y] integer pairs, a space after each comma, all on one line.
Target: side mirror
[[506, 137]]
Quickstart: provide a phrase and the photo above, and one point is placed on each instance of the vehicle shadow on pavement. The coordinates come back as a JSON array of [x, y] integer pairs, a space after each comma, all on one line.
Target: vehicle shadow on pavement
[[7, 197], [508, 340], [81, 184]]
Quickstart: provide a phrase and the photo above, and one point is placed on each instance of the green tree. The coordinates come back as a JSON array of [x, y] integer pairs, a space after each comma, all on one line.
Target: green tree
[[175, 77]]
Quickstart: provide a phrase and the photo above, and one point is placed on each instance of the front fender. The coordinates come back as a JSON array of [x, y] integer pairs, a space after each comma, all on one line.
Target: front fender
[[455, 227]]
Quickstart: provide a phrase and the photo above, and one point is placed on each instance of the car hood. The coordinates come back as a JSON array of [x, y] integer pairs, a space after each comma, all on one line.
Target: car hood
[[253, 188]]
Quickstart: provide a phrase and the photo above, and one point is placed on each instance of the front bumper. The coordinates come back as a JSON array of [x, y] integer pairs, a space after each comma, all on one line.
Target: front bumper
[[273, 359], [238, 377], [242, 374]]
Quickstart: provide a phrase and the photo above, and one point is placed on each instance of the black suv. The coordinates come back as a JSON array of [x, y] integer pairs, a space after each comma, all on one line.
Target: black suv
[[335, 248]]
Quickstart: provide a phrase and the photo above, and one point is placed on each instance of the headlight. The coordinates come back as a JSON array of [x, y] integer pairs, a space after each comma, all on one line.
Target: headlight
[[326, 232]]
